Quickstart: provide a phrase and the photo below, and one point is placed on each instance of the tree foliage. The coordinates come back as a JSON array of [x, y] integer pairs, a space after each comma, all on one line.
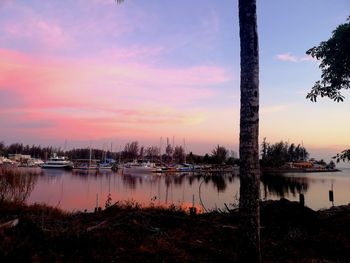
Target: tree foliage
[[335, 66], [219, 154], [179, 154], [343, 156], [278, 154], [334, 55], [131, 150]]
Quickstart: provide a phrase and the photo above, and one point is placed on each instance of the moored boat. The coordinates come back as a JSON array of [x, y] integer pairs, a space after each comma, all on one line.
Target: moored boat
[[137, 168], [105, 166], [86, 164], [57, 162]]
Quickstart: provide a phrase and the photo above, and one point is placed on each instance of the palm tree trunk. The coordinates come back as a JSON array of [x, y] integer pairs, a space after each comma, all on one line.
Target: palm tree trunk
[[249, 133]]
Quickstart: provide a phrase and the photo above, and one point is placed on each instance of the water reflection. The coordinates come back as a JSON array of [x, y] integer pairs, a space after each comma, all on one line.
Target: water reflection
[[283, 186], [87, 189]]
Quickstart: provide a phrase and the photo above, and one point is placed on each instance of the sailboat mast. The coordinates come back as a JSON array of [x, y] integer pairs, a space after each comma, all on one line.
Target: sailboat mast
[[161, 143], [172, 158], [90, 157], [184, 150]]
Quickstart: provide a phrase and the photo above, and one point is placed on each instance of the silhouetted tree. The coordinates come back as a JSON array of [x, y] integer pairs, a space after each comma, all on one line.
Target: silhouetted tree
[[280, 153], [335, 66], [169, 152], [153, 153], [219, 154], [179, 154], [2, 148], [334, 55], [131, 150]]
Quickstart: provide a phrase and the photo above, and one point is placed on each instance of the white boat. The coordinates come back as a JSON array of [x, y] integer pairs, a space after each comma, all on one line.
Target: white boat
[[57, 162], [138, 168], [86, 164], [105, 166]]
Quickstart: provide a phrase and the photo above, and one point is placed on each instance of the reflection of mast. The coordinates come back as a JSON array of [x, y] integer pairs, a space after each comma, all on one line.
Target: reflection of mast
[[166, 190], [90, 153], [159, 190], [166, 194], [109, 196], [171, 190], [331, 195], [172, 158]]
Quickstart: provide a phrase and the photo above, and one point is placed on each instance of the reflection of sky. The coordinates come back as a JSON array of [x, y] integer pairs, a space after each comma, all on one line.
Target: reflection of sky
[[74, 191]]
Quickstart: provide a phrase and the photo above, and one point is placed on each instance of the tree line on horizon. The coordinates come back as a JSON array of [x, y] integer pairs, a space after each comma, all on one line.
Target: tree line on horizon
[[280, 153], [132, 151]]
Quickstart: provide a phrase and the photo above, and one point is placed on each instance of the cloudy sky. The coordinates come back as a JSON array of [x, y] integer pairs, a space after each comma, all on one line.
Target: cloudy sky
[[93, 71]]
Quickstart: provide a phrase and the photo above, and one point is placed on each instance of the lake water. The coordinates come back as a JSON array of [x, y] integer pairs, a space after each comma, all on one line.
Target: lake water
[[73, 191]]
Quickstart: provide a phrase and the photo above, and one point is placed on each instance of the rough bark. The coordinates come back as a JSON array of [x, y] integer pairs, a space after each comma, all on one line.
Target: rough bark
[[249, 133]]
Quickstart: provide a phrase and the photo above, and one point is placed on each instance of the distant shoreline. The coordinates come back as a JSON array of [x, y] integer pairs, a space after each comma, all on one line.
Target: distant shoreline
[[296, 170]]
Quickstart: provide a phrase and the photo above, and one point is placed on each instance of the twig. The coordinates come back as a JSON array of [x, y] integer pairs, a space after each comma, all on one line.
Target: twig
[[97, 226], [9, 224]]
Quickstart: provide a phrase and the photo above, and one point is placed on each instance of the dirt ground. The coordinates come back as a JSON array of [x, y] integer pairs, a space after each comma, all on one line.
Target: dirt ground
[[128, 233]]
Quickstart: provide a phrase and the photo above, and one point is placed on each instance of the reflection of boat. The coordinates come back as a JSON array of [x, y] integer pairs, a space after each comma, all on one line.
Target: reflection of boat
[[57, 162]]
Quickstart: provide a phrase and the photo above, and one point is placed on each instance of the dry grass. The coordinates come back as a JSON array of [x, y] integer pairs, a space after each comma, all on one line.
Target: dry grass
[[125, 232]]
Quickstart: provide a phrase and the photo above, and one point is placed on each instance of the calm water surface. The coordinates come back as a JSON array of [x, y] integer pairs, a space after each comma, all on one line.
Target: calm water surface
[[74, 191]]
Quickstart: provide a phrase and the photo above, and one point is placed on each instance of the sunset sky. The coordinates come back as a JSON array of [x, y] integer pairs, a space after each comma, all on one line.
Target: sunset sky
[[93, 71]]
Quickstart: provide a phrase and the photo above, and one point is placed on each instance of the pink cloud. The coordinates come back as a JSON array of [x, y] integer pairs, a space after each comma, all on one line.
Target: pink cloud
[[45, 30], [292, 58], [133, 52], [46, 33], [96, 98]]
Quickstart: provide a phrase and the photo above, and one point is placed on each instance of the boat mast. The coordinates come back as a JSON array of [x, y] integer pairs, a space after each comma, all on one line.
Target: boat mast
[[184, 150], [173, 150], [161, 143], [90, 158]]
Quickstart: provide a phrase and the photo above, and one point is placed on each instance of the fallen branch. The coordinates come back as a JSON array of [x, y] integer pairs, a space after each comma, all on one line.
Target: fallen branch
[[9, 224], [97, 226]]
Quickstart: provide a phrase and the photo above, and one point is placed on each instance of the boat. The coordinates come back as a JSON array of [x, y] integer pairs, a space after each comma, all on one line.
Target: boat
[[185, 168], [86, 164], [105, 166], [138, 168], [57, 162]]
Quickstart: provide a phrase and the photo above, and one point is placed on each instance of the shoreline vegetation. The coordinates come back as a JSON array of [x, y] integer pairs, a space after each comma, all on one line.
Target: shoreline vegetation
[[127, 232], [298, 170], [280, 157]]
